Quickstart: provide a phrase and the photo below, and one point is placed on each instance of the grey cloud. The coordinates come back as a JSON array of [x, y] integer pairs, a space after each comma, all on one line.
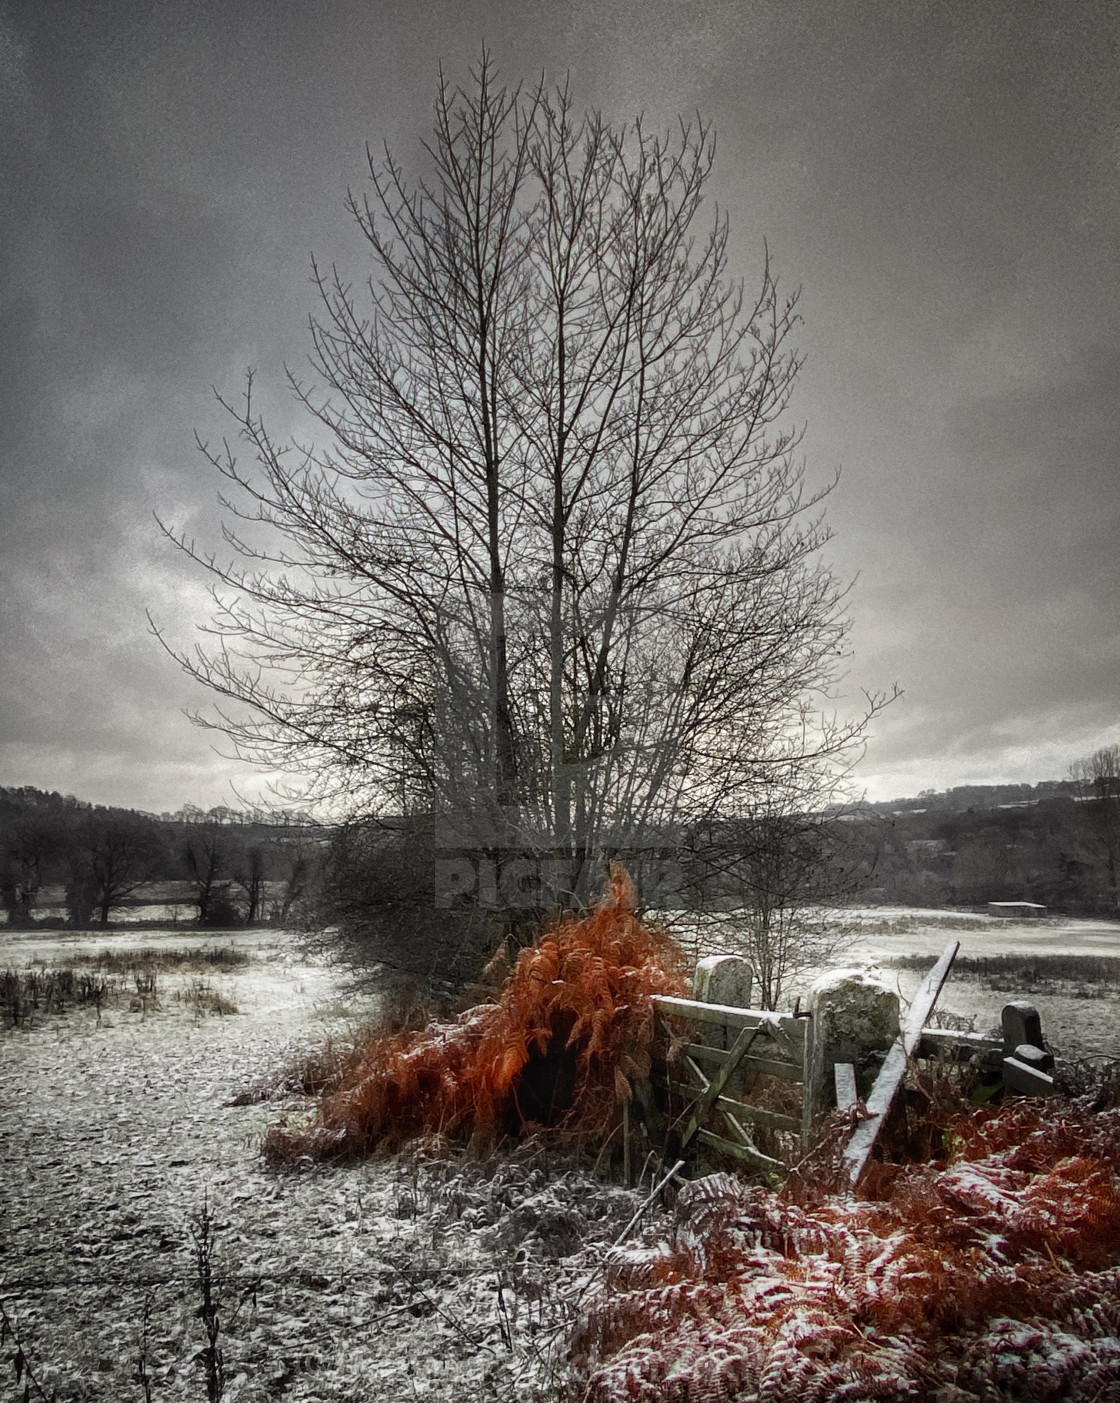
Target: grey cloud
[[942, 181]]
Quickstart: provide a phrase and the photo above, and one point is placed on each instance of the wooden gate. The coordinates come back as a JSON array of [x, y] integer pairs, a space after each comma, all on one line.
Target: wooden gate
[[734, 1044]]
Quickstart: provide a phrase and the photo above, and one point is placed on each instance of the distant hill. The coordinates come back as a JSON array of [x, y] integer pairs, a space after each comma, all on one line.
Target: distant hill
[[963, 797], [1052, 843]]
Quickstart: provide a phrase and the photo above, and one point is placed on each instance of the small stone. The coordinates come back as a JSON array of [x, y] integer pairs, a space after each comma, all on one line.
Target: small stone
[[1035, 1057]]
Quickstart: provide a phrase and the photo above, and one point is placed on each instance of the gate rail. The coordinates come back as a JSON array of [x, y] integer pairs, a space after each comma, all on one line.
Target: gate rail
[[737, 1041]]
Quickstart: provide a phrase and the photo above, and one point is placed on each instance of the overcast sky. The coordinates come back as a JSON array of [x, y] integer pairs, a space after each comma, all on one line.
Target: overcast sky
[[941, 180]]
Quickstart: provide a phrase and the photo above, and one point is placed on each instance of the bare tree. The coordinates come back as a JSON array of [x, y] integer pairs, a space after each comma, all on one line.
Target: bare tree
[[768, 883], [31, 843], [206, 851], [296, 882], [114, 854], [556, 577], [250, 871], [1098, 777]]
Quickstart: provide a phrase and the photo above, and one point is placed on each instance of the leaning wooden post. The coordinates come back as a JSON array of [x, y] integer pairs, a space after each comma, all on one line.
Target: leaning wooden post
[[879, 1103]]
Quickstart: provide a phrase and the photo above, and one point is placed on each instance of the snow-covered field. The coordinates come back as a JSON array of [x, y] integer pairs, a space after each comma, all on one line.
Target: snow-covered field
[[369, 1281], [1078, 1019], [383, 1280]]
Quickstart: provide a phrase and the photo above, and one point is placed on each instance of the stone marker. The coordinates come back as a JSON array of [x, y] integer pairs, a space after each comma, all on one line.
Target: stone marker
[[855, 1016], [1021, 1024], [723, 979], [1026, 1063]]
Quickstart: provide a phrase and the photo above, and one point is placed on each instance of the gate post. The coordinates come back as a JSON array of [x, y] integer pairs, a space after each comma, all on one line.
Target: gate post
[[855, 1017], [722, 979]]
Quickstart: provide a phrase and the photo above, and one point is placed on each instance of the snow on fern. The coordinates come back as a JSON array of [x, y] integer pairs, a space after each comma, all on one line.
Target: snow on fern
[[572, 1027], [995, 1274]]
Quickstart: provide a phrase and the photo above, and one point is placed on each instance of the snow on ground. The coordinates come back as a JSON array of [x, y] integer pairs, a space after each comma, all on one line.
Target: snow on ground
[[370, 1281], [903, 929], [1079, 1019], [383, 1280]]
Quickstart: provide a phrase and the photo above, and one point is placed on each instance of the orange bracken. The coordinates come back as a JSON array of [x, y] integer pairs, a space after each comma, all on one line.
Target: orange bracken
[[572, 1026]]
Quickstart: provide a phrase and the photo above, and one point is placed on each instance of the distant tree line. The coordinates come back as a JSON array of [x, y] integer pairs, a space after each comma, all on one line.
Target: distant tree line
[[234, 869], [973, 796], [1060, 848], [1057, 844]]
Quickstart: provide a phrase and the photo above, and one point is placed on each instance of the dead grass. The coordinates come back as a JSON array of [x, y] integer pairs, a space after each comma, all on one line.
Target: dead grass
[[886, 924], [26, 994], [322, 1070], [571, 1029], [204, 1000], [990, 1273], [202, 957], [315, 1072], [115, 978], [1077, 976]]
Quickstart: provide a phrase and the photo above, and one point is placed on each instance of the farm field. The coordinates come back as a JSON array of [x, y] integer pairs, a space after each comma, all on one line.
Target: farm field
[[377, 1280], [1056, 963], [1080, 1015], [131, 1131]]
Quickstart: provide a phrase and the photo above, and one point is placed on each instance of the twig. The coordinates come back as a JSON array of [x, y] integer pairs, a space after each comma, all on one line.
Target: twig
[[143, 1378], [652, 1155], [439, 1309], [625, 1233], [504, 1324], [20, 1361], [203, 1237], [603, 1150]]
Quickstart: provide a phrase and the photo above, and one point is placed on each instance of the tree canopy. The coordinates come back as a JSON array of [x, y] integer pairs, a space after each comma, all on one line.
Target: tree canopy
[[554, 572]]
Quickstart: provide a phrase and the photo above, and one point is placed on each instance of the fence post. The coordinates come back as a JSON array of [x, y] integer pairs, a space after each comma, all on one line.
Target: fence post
[[1027, 1066], [1020, 1024], [809, 1104]]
